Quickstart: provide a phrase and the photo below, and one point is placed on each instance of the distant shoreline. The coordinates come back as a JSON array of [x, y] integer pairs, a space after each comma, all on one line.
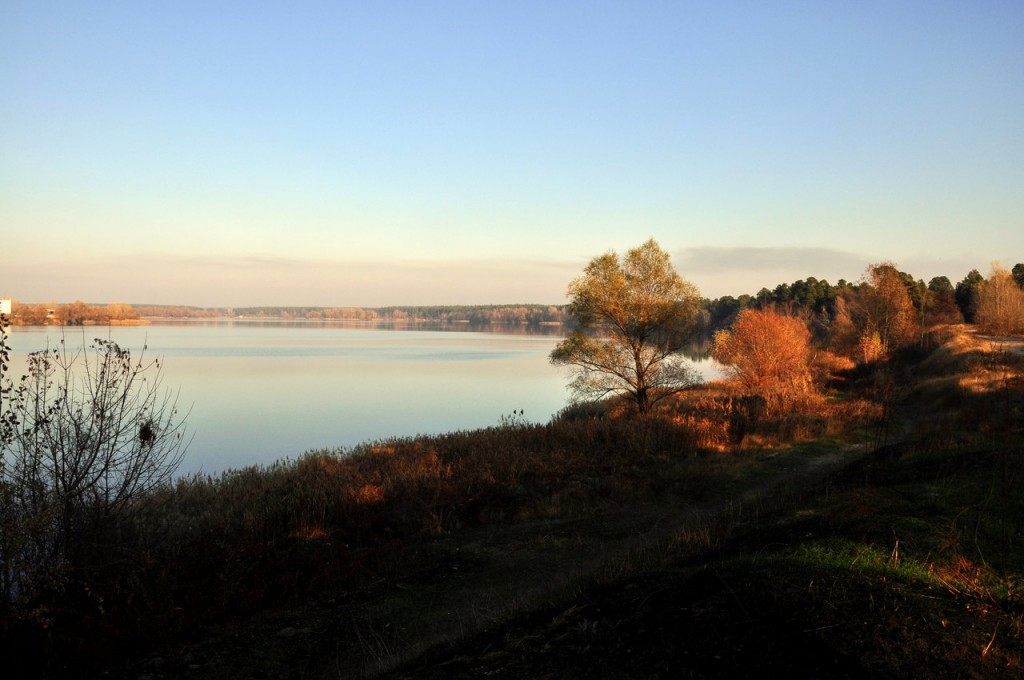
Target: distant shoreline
[[120, 314], [390, 323]]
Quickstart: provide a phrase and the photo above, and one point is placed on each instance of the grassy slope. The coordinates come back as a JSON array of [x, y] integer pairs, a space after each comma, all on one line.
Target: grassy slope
[[439, 591], [907, 563], [902, 576], [824, 559]]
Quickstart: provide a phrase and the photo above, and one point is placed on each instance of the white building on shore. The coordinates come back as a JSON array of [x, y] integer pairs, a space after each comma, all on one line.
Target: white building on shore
[[5, 306]]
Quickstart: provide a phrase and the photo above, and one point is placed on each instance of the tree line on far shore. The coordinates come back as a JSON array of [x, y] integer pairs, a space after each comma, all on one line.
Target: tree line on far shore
[[821, 303], [482, 315], [80, 313], [73, 314], [817, 300]]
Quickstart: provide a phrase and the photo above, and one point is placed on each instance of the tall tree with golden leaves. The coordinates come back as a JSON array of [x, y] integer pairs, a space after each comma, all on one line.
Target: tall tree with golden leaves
[[634, 314], [887, 307]]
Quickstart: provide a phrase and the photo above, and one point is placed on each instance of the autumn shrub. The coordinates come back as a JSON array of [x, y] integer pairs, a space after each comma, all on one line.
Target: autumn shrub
[[767, 354], [708, 420], [829, 369]]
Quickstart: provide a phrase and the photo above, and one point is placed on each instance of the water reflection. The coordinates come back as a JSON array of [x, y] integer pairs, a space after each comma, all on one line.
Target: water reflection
[[553, 329], [263, 391]]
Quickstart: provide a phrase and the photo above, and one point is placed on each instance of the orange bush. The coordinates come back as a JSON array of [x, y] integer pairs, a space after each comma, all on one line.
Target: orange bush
[[768, 354]]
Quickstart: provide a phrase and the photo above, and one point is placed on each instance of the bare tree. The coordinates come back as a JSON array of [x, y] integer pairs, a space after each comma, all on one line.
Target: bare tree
[[1000, 303], [83, 435]]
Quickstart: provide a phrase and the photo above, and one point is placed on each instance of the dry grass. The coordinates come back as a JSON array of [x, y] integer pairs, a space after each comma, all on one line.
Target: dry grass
[[722, 419], [209, 550], [907, 564], [332, 526], [978, 362]]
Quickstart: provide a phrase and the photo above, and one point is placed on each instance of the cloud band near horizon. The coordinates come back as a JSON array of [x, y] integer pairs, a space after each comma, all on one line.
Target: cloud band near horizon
[[244, 281]]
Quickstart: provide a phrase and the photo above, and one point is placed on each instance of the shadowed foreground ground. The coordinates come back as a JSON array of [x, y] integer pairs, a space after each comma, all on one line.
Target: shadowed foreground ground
[[893, 550]]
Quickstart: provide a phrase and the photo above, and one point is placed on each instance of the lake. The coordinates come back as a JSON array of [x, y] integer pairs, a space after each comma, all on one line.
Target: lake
[[262, 391]]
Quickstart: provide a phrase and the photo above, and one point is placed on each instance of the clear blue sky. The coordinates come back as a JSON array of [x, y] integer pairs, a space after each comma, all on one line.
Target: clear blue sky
[[375, 153]]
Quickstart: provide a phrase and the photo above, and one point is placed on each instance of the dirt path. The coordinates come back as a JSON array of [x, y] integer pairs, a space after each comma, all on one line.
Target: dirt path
[[995, 343]]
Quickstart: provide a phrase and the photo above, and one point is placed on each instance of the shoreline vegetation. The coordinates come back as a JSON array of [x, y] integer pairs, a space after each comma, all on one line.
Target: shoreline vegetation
[[713, 536], [848, 503]]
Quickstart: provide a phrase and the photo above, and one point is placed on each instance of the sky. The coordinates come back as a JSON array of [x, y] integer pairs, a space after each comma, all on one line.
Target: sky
[[413, 153]]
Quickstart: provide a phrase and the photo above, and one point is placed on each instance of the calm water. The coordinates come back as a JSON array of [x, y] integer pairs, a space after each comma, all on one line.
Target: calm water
[[264, 391]]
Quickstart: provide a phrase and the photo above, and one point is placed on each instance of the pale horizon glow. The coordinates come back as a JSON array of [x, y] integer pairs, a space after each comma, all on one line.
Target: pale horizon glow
[[366, 154]]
